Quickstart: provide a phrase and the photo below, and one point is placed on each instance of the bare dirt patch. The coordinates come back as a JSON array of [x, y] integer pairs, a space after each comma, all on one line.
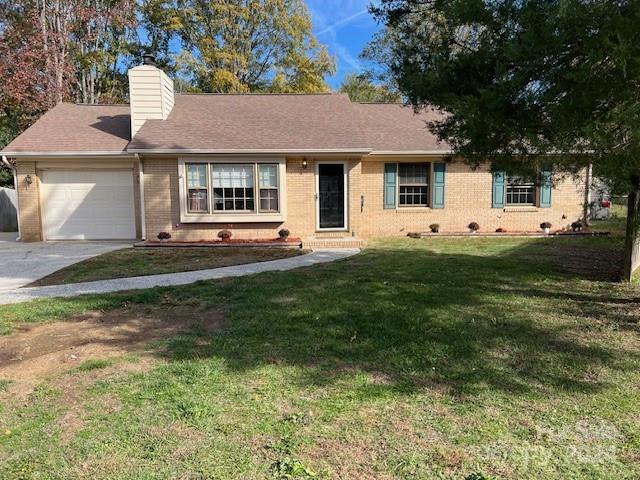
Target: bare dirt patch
[[35, 353]]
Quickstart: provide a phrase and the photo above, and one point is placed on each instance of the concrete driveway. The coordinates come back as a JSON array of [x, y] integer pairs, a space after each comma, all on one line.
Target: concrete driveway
[[23, 263]]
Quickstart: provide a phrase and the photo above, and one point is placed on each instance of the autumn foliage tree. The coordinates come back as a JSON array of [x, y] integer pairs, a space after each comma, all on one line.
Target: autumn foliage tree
[[362, 88], [103, 37], [240, 45], [55, 50]]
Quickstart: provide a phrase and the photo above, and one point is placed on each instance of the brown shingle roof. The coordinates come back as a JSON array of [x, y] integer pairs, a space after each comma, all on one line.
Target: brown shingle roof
[[255, 122], [394, 127], [78, 129], [234, 122]]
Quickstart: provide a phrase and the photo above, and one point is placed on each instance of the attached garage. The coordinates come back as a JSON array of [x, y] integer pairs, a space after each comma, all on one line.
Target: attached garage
[[87, 204]]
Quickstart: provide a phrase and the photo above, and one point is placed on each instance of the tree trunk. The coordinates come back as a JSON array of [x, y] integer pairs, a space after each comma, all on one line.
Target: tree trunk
[[632, 241], [586, 210]]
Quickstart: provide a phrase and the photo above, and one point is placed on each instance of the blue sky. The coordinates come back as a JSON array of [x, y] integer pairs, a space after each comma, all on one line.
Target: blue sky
[[345, 27]]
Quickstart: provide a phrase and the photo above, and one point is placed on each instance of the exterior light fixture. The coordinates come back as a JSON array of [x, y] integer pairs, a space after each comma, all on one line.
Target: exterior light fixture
[[304, 163], [28, 180]]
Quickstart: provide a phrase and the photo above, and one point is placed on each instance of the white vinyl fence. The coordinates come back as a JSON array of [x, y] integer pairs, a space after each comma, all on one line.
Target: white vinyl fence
[[8, 210]]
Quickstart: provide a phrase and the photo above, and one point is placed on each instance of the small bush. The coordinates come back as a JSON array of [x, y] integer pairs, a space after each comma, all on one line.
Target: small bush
[[544, 225], [434, 227], [225, 235], [164, 236], [501, 230], [284, 233], [474, 227], [577, 226]]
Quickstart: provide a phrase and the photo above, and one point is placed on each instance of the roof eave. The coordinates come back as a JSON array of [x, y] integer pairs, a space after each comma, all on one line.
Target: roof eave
[[395, 153], [70, 154], [249, 151]]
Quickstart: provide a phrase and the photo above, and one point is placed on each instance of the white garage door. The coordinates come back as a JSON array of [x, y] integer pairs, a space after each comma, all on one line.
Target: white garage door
[[87, 205]]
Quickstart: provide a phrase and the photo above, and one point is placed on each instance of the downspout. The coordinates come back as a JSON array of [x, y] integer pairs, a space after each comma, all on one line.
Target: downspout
[[15, 186], [143, 222]]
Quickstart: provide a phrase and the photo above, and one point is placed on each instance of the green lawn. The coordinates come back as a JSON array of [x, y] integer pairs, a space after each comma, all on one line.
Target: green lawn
[[133, 262], [437, 358]]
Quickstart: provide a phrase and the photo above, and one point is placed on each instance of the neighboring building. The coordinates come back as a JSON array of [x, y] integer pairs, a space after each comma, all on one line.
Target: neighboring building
[[600, 200], [319, 165]]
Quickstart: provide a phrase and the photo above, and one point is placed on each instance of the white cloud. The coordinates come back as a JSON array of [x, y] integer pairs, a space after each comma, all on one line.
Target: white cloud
[[339, 23], [347, 57], [330, 19]]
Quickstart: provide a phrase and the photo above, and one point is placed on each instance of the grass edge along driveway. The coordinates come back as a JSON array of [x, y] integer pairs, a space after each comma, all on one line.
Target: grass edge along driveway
[[140, 261]]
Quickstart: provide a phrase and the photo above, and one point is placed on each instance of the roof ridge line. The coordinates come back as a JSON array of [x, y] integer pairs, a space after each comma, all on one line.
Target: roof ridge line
[[257, 94], [80, 104]]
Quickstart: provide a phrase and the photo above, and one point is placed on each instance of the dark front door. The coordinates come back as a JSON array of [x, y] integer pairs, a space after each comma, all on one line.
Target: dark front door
[[331, 195]]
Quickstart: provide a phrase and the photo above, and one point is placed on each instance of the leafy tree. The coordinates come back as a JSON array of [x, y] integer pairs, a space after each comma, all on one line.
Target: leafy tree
[[62, 50], [28, 83], [524, 80], [378, 56], [8, 130], [103, 35], [52, 51], [240, 45], [360, 88]]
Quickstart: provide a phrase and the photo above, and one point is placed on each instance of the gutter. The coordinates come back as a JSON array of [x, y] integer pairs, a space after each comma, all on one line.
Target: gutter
[[398, 153], [119, 154], [15, 186], [257, 151]]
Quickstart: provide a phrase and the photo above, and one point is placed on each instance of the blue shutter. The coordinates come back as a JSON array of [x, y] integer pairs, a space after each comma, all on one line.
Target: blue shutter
[[438, 185], [390, 174], [499, 185], [545, 188]]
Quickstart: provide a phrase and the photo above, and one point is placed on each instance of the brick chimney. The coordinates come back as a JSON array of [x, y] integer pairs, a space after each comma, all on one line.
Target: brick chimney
[[150, 94]]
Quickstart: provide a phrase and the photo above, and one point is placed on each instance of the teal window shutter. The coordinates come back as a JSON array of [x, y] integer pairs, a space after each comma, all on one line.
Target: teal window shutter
[[499, 185], [438, 185], [390, 174], [545, 188]]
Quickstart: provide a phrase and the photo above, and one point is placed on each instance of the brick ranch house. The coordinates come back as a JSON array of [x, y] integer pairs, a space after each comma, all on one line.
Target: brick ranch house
[[325, 168]]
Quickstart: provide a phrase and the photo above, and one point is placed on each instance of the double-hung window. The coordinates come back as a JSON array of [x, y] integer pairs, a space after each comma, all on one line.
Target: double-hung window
[[198, 190], [268, 178], [413, 184], [232, 188], [520, 192]]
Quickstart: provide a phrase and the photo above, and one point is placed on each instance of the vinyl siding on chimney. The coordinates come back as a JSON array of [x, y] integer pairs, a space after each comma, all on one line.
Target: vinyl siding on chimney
[[151, 95]]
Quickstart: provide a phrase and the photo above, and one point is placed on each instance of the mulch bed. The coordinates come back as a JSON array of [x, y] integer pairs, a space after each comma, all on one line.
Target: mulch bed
[[510, 234], [234, 242]]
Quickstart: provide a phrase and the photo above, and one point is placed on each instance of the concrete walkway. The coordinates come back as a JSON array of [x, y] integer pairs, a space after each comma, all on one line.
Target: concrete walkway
[[170, 279]]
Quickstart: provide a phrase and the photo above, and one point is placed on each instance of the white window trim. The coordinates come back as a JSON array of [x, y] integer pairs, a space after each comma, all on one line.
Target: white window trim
[[414, 208], [536, 195], [233, 217]]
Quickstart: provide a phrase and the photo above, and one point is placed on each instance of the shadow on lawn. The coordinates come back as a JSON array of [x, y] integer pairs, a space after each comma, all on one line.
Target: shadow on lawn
[[465, 323]]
